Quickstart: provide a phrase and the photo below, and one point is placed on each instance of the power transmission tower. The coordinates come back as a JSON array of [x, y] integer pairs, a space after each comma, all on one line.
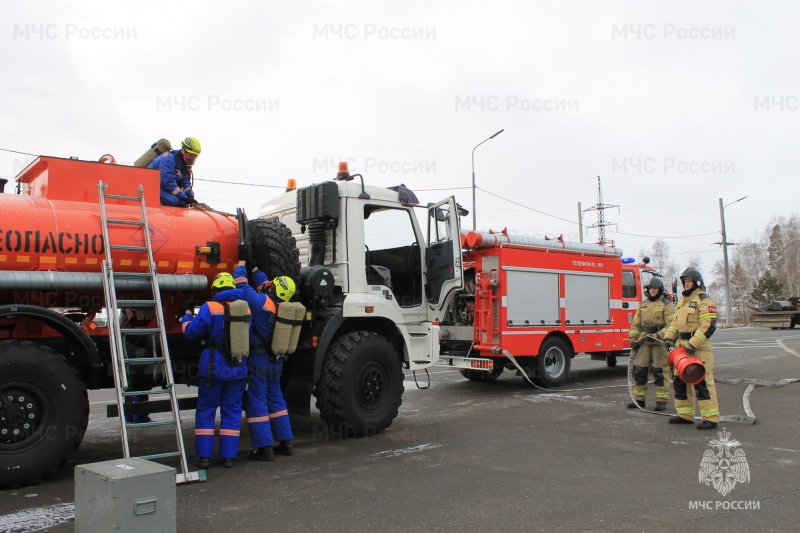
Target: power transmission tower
[[600, 207]]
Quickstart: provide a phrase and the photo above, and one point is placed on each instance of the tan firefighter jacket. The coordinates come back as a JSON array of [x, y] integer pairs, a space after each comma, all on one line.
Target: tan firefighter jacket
[[652, 318]]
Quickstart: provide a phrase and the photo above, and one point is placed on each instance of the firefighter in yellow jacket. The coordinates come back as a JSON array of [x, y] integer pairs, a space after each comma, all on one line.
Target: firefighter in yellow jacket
[[652, 318], [695, 322]]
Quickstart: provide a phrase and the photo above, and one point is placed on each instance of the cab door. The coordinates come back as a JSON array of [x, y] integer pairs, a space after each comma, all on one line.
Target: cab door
[[443, 268]]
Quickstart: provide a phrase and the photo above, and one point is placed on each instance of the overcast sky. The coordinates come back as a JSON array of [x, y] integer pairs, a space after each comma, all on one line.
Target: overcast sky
[[673, 104]]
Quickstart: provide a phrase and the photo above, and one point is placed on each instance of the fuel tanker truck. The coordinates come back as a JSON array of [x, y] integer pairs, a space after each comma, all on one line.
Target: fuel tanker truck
[[375, 271]]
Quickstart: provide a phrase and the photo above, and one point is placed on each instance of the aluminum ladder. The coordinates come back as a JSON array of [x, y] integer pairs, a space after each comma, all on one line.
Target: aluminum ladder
[[117, 334]]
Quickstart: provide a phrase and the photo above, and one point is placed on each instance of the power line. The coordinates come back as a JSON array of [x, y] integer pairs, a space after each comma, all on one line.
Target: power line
[[242, 183], [661, 237], [526, 207], [16, 152]]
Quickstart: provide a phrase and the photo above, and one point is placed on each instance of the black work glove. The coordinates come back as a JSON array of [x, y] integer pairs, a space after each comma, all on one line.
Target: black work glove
[[244, 254], [187, 307], [689, 350], [635, 344], [669, 343], [190, 200]]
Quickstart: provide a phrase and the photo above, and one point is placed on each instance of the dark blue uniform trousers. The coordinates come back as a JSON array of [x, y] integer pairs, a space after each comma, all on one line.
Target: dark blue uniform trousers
[[264, 405], [227, 396]]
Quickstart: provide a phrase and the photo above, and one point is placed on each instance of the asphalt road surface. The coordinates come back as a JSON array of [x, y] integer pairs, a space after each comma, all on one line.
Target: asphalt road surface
[[489, 456]]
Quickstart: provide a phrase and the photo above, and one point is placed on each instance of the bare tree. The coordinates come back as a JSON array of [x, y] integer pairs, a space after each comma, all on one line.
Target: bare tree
[[660, 261]]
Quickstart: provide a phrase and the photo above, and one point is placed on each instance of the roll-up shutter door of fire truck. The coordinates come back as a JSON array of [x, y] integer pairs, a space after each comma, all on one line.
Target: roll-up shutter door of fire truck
[[587, 299], [532, 297]]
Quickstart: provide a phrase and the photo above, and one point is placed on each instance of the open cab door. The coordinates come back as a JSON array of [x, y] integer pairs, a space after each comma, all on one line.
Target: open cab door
[[443, 268]]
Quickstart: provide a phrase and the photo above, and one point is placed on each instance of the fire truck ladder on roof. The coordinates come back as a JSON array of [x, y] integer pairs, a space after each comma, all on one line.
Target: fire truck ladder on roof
[[122, 361]]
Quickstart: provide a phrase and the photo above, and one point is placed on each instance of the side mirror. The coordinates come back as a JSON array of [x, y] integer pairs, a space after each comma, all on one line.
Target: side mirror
[[440, 213]]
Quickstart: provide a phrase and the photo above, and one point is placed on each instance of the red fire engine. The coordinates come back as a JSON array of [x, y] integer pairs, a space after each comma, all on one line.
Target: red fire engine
[[542, 301]]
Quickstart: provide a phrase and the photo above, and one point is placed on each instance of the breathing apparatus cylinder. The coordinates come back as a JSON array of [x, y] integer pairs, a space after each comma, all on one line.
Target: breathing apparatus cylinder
[[159, 147]]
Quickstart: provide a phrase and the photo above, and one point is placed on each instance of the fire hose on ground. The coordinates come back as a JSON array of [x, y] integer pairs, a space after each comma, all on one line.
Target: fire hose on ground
[[689, 367]]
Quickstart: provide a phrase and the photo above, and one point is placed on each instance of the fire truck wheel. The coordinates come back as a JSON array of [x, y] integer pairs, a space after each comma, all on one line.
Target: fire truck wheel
[[274, 248], [43, 412], [611, 360], [480, 375], [552, 363], [361, 387]]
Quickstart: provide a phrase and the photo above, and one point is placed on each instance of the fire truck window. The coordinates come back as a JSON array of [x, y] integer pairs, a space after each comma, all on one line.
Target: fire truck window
[[628, 284], [393, 256]]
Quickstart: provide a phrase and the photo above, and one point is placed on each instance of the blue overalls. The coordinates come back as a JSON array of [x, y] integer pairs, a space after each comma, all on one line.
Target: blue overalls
[[221, 386], [175, 183], [264, 404]]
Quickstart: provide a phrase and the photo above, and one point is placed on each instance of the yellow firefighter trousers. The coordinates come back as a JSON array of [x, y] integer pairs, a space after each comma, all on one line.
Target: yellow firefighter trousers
[[651, 354], [685, 404]]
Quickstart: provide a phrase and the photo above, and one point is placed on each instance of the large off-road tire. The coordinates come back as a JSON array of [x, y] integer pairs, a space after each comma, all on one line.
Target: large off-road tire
[[43, 413], [361, 387], [274, 248], [552, 363]]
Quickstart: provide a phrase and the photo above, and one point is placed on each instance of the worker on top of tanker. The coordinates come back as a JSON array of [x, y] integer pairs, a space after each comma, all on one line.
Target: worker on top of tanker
[[652, 319], [264, 404], [176, 173], [694, 323], [222, 381]]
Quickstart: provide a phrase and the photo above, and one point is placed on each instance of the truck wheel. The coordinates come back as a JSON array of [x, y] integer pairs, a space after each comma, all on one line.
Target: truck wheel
[[552, 363], [43, 412], [611, 361], [361, 387], [480, 375], [274, 248]]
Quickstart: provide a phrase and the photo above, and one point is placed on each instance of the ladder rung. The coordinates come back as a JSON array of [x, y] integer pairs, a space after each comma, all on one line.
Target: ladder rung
[[136, 303], [126, 247], [142, 392], [120, 197], [139, 331], [145, 360], [148, 424], [159, 455], [130, 222], [132, 274]]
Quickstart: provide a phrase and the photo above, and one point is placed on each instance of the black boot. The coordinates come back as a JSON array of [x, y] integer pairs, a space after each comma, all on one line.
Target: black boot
[[679, 420], [227, 462], [285, 448], [203, 463], [264, 453], [633, 405], [661, 406], [705, 424]]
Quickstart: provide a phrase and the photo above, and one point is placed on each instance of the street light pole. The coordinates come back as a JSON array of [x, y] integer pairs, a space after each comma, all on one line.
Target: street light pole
[[474, 211], [728, 306]]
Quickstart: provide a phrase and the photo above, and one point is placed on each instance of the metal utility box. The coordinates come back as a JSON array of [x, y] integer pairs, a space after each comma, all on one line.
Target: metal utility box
[[125, 495]]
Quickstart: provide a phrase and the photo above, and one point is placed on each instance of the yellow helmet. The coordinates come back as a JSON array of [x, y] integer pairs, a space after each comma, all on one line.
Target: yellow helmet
[[284, 287], [191, 145], [223, 281]]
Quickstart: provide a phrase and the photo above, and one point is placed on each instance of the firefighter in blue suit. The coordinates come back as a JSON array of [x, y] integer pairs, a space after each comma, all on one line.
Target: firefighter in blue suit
[[176, 173], [264, 404], [221, 385]]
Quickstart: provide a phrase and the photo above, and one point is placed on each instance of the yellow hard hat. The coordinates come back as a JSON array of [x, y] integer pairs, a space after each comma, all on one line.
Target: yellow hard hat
[[284, 287], [191, 145], [223, 281]]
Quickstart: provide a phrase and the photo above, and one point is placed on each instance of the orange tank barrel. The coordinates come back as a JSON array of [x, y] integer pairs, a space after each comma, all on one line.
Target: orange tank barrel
[[54, 225]]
